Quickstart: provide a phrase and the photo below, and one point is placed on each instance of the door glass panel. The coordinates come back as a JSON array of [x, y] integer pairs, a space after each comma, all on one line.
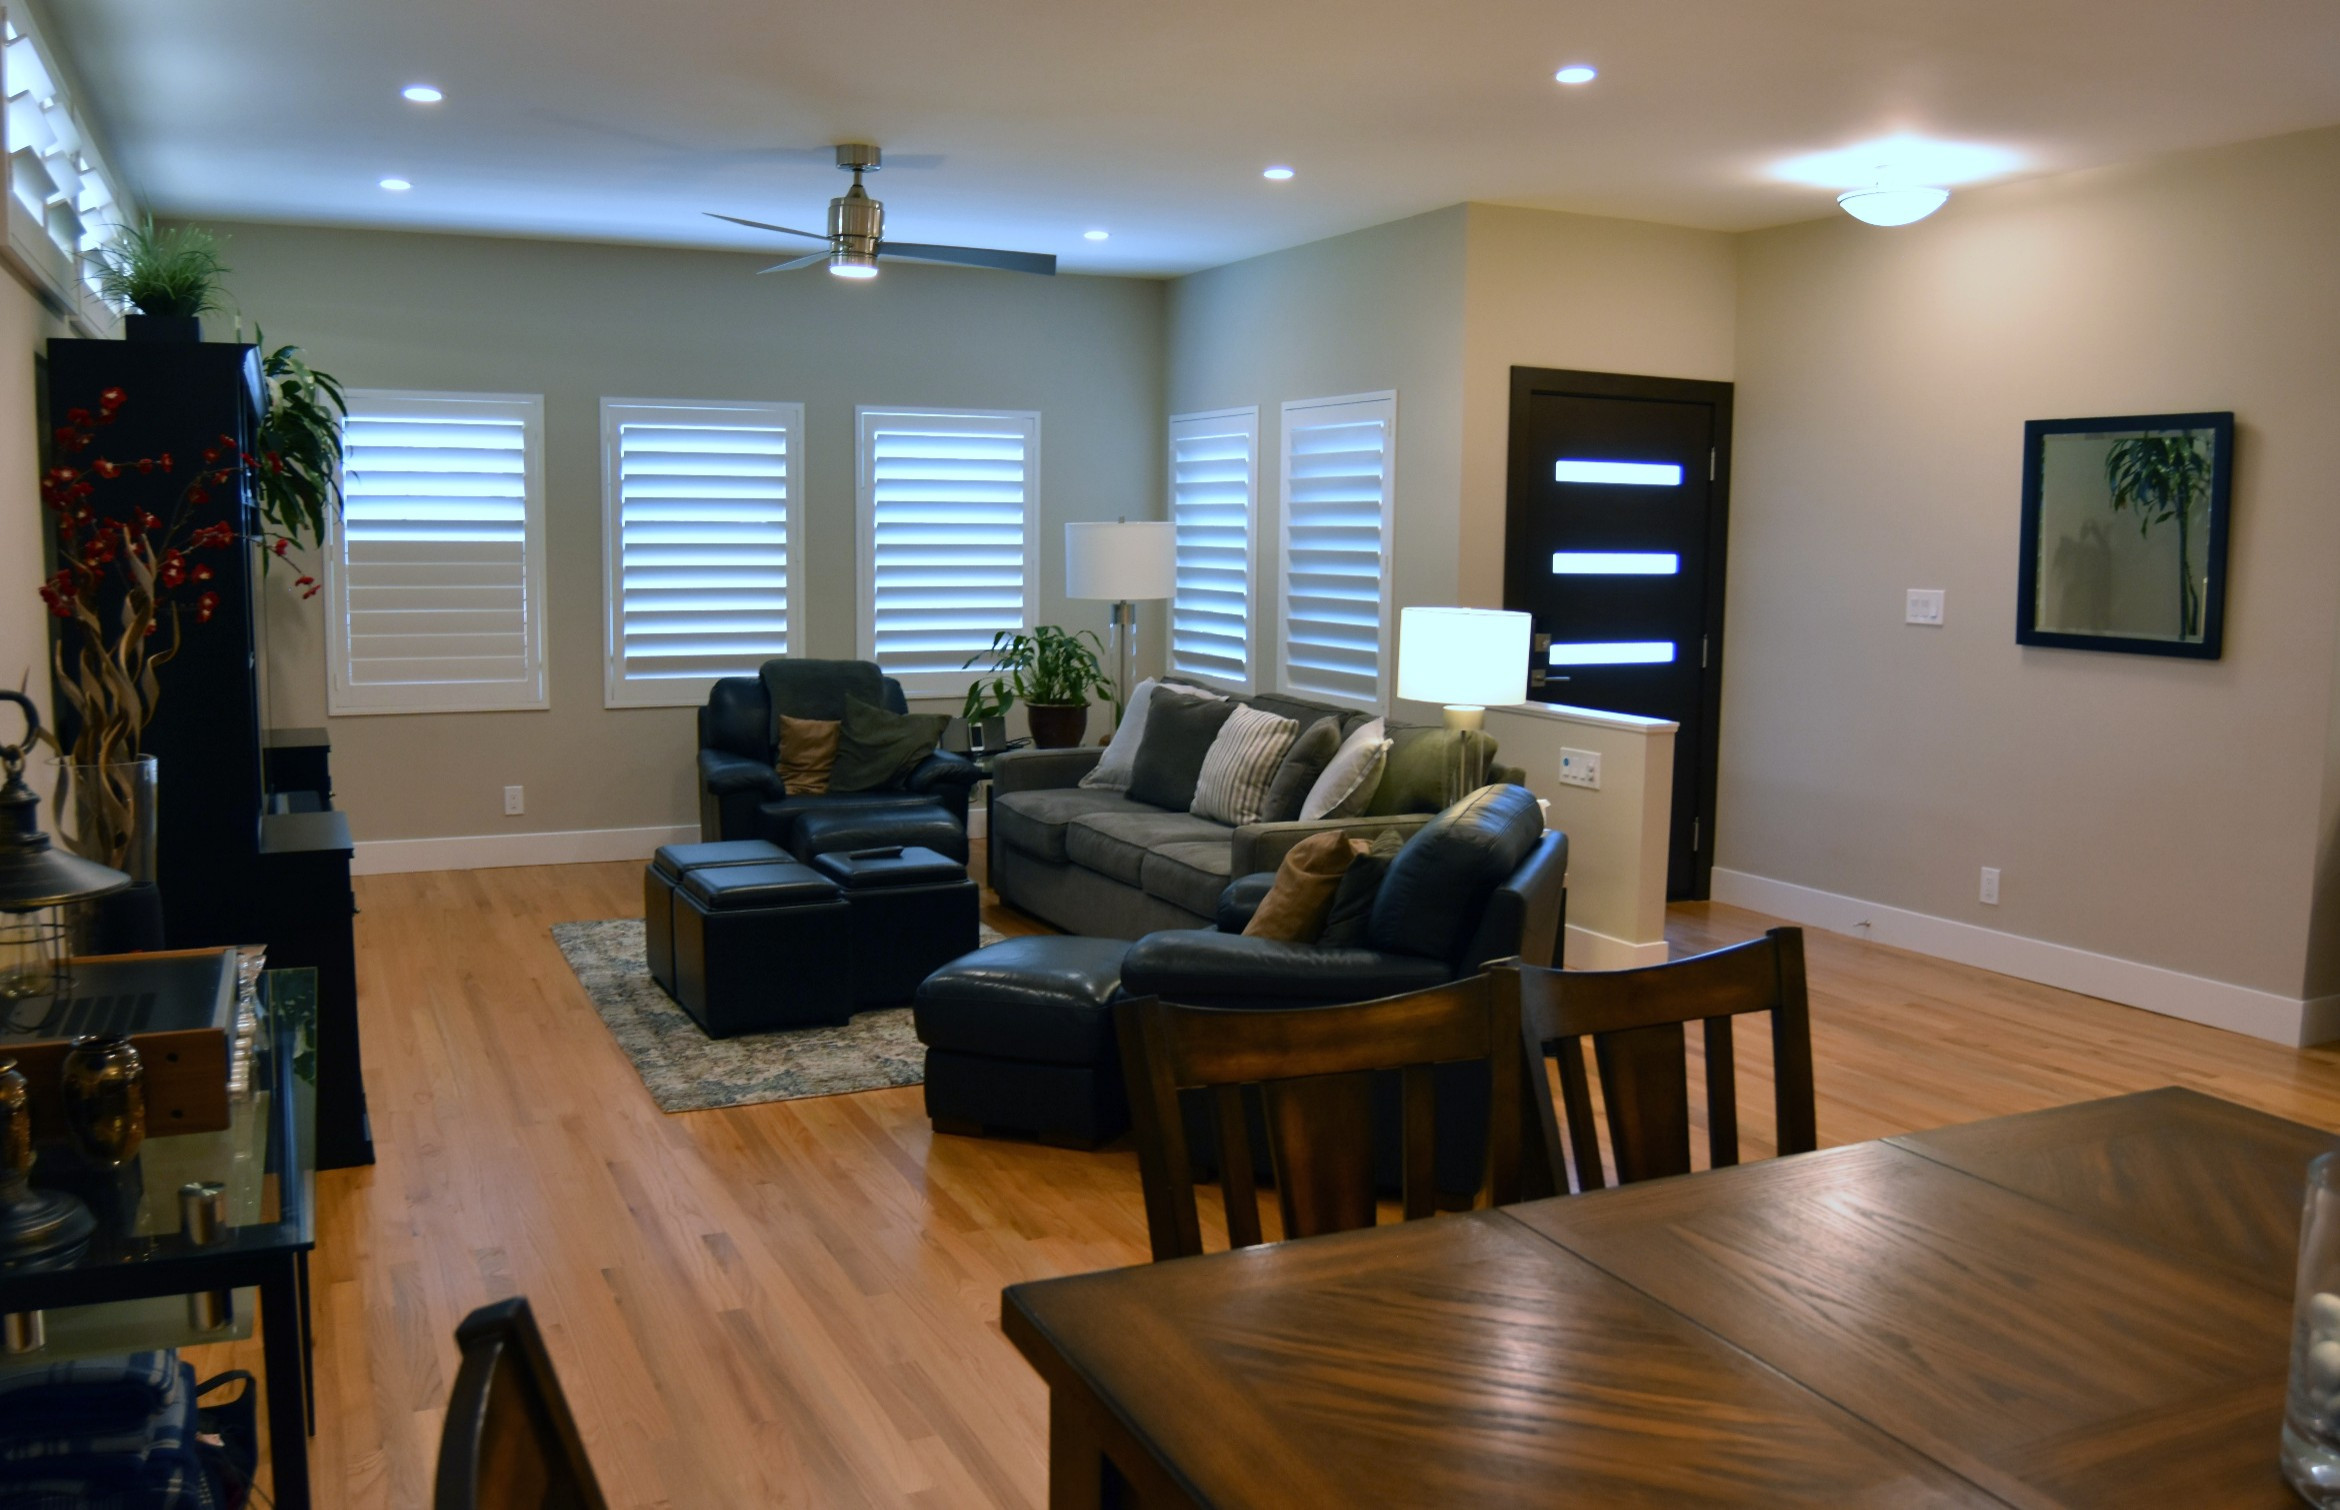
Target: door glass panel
[[1632, 474], [1612, 653], [1615, 563]]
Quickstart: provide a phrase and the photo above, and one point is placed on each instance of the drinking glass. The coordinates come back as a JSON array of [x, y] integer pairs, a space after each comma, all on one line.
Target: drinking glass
[[2311, 1414]]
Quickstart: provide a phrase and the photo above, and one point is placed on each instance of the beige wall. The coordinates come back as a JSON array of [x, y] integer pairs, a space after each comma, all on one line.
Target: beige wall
[[24, 625], [577, 323], [2159, 811]]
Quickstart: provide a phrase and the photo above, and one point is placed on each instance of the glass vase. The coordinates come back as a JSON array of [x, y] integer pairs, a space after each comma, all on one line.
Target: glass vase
[[2311, 1413], [106, 813]]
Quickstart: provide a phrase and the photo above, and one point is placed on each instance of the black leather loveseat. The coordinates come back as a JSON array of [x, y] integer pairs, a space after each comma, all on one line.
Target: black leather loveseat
[[741, 795]]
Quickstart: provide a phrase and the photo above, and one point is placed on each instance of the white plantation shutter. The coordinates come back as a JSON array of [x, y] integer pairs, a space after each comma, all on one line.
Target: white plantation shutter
[[950, 508], [1214, 497], [1339, 476], [696, 502], [435, 572]]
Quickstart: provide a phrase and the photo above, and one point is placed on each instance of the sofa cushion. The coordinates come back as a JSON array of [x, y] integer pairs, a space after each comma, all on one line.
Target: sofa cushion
[[1350, 778], [1112, 771], [1243, 760], [1046, 998], [877, 747], [808, 751], [1295, 905], [1438, 885], [1034, 821], [1116, 844], [1421, 759], [1179, 735], [1188, 874], [1318, 743]]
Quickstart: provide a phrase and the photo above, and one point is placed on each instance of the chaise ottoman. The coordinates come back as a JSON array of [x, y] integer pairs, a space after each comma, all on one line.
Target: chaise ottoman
[[761, 947], [665, 872], [1019, 1038], [911, 911]]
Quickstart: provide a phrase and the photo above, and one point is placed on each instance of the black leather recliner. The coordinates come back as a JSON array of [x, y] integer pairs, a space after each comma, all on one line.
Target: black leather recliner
[[740, 792]]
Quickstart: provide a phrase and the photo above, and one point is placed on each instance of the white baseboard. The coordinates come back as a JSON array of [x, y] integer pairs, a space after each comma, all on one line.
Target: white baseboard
[[2240, 1009], [978, 821], [1587, 950], [376, 857]]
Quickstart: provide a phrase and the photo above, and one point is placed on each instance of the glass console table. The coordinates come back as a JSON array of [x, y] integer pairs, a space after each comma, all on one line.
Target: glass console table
[[144, 1283]]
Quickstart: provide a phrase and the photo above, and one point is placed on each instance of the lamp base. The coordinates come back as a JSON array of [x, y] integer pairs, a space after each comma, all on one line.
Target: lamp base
[[1468, 772]]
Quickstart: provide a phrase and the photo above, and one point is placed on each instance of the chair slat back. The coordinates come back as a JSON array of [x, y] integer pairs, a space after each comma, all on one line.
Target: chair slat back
[[509, 1442], [1313, 1067], [1635, 1021]]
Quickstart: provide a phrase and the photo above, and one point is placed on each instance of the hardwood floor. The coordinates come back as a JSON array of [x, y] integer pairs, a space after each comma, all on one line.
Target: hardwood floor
[[798, 1304]]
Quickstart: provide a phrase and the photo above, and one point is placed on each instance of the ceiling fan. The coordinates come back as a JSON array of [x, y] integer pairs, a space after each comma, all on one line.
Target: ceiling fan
[[857, 233]]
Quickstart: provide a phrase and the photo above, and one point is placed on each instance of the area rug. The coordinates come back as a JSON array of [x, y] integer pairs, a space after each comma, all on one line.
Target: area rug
[[687, 1071]]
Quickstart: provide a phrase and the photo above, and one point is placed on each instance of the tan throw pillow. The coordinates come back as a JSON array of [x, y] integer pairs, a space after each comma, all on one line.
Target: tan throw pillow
[[1295, 906], [808, 749]]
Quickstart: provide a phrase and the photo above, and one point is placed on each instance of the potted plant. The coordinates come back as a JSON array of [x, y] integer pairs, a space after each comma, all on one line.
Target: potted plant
[[171, 278], [1051, 671]]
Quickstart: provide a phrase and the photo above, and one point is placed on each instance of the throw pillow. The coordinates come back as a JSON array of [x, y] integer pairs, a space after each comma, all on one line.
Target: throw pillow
[[1112, 771], [1303, 763], [808, 751], [1420, 760], [1233, 784], [877, 747], [1179, 734], [1348, 782], [1295, 906], [1346, 922]]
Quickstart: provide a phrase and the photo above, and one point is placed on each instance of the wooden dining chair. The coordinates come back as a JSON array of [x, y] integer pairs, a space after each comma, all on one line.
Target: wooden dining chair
[[1314, 1069], [509, 1442], [1635, 1019]]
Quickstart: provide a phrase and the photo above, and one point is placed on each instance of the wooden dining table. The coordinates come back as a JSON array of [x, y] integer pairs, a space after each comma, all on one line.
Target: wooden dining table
[[2084, 1306]]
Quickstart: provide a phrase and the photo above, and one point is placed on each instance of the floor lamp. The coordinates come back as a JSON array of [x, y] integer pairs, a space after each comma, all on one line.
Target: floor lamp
[[1125, 563], [1467, 659]]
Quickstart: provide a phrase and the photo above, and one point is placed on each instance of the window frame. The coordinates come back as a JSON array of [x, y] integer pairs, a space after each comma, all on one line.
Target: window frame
[[617, 689], [342, 700], [1387, 399], [1247, 417], [933, 684]]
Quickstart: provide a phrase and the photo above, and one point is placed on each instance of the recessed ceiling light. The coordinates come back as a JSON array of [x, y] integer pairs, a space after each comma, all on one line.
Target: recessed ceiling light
[[1577, 73], [1095, 235], [396, 185], [422, 94], [1279, 173]]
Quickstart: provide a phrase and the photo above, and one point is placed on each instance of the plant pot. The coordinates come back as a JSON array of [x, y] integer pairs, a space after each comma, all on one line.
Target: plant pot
[[1057, 726], [177, 329]]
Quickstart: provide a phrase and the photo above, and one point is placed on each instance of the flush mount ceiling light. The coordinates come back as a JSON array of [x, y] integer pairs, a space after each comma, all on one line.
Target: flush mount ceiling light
[[1095, 235], [1895, 180], [422, 94], [396, 185], [1279, 173], [1577, 73], [1892, 206]]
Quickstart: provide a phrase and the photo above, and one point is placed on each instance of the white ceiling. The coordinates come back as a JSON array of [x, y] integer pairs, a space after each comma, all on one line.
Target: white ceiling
[[622, 121]]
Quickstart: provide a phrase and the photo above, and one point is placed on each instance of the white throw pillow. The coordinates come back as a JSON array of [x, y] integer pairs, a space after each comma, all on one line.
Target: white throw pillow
[[1347, 784], [1242, 760], [1112, 771]]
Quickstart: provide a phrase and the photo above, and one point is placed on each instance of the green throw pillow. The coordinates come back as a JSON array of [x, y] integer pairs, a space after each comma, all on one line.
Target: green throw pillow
[[1420, 758], [877, 747], [1346, 922]]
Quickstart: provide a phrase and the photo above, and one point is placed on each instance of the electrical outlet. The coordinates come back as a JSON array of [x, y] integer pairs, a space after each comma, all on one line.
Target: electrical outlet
[[512, 802], [1990, 886], [1925, 606], [1580, 768]]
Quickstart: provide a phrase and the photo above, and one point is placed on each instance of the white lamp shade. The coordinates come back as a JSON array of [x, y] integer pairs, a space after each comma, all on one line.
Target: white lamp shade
[[1127, 562], [1462, 657]]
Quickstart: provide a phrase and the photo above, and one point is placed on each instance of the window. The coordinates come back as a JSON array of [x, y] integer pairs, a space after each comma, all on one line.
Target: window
[[61, 203], [1214, 496], [950, 509], [1340, 471], [695, 509], [434, 575]]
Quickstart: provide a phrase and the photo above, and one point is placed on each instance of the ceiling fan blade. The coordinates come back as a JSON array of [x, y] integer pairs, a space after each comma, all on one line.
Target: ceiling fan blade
[[782, 267], [971, 256], [785, 230]]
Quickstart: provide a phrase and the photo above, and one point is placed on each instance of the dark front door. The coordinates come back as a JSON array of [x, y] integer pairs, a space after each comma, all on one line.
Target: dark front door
[[1614, 541]]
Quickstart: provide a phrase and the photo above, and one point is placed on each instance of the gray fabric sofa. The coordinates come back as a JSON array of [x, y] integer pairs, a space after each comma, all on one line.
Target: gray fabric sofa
[[1102, 864]]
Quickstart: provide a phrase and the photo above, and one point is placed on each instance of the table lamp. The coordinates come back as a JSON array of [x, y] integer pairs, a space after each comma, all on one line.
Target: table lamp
[[1466, 659], [1123, 563]]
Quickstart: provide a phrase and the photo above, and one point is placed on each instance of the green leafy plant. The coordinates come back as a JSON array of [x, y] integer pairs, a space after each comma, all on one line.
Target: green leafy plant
[[2165, 479], [1050, 667], [296, 461], [173, 272]]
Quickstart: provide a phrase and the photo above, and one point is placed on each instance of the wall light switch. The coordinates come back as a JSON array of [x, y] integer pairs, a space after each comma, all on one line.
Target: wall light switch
[[512, 802], [1580, 768], [1925, 605]]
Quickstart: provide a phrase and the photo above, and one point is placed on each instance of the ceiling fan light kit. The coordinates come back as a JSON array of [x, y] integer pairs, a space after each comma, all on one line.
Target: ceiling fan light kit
[[856, 236]]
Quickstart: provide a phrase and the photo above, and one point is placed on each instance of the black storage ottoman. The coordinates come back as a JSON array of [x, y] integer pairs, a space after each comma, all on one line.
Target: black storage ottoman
[[912, 910], [1019, 1038], [665, 872], [761, 947], [925, 825]]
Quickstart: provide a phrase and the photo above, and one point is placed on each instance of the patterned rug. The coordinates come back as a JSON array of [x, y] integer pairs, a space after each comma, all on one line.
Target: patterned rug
[[687, 1071]]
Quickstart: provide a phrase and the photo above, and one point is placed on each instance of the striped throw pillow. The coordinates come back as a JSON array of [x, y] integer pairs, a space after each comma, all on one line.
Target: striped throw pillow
[[1242, 761]]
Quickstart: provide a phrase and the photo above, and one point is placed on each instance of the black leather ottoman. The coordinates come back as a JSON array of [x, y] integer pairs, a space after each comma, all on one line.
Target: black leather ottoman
[[922, 824], [912, 910], [1019, 1038], [665, 872], [760, 947]]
